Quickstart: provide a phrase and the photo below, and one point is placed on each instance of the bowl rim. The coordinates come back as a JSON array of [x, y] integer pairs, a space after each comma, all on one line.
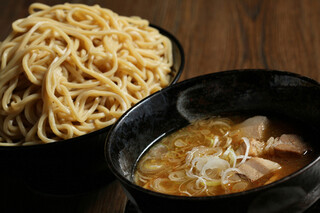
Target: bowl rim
[[180, 48], [130, 184], [106, 129]]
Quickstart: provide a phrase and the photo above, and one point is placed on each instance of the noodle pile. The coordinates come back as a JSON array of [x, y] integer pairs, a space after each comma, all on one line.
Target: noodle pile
[[70, 69]]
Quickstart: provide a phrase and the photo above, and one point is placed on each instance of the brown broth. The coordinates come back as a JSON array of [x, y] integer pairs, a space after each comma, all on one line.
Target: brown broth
[[164, 166]]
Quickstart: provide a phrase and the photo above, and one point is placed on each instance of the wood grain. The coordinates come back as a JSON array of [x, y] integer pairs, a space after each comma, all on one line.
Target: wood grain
[[216, 35]]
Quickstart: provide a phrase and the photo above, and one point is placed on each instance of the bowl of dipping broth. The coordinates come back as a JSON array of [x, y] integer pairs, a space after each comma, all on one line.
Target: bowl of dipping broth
[[235, 141], [65, 83]]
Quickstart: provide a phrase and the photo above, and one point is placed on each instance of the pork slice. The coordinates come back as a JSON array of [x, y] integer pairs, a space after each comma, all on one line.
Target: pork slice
[[253, 127], [256, 148], [290, 143], [255, 168]]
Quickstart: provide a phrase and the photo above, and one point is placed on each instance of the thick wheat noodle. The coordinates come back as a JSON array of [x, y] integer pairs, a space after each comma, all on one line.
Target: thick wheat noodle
[[70, 69]]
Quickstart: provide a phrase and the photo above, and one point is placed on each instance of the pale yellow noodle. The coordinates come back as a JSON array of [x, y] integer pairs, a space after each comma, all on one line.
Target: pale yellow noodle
[[70, 69]]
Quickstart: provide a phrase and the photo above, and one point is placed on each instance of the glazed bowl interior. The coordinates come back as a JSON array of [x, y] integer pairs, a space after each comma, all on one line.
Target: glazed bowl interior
[[234, 92], [75, 165]]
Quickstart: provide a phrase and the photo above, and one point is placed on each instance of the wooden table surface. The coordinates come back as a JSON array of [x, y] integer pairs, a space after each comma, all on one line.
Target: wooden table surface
[[216, 35]]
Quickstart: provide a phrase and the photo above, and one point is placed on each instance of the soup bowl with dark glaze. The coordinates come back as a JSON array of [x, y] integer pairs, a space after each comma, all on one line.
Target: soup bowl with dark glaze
[[234, 92], [75, 165]]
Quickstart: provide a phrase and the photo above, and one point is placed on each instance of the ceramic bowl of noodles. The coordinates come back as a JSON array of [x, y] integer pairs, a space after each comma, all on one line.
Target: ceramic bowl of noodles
[[68, 72], [235, 141]]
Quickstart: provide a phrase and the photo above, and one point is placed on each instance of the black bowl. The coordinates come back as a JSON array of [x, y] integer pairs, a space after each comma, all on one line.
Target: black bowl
[[231, 92], [75, 165]]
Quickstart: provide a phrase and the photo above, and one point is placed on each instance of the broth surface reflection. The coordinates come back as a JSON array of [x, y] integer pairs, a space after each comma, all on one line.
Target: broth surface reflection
[[223, 155]]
